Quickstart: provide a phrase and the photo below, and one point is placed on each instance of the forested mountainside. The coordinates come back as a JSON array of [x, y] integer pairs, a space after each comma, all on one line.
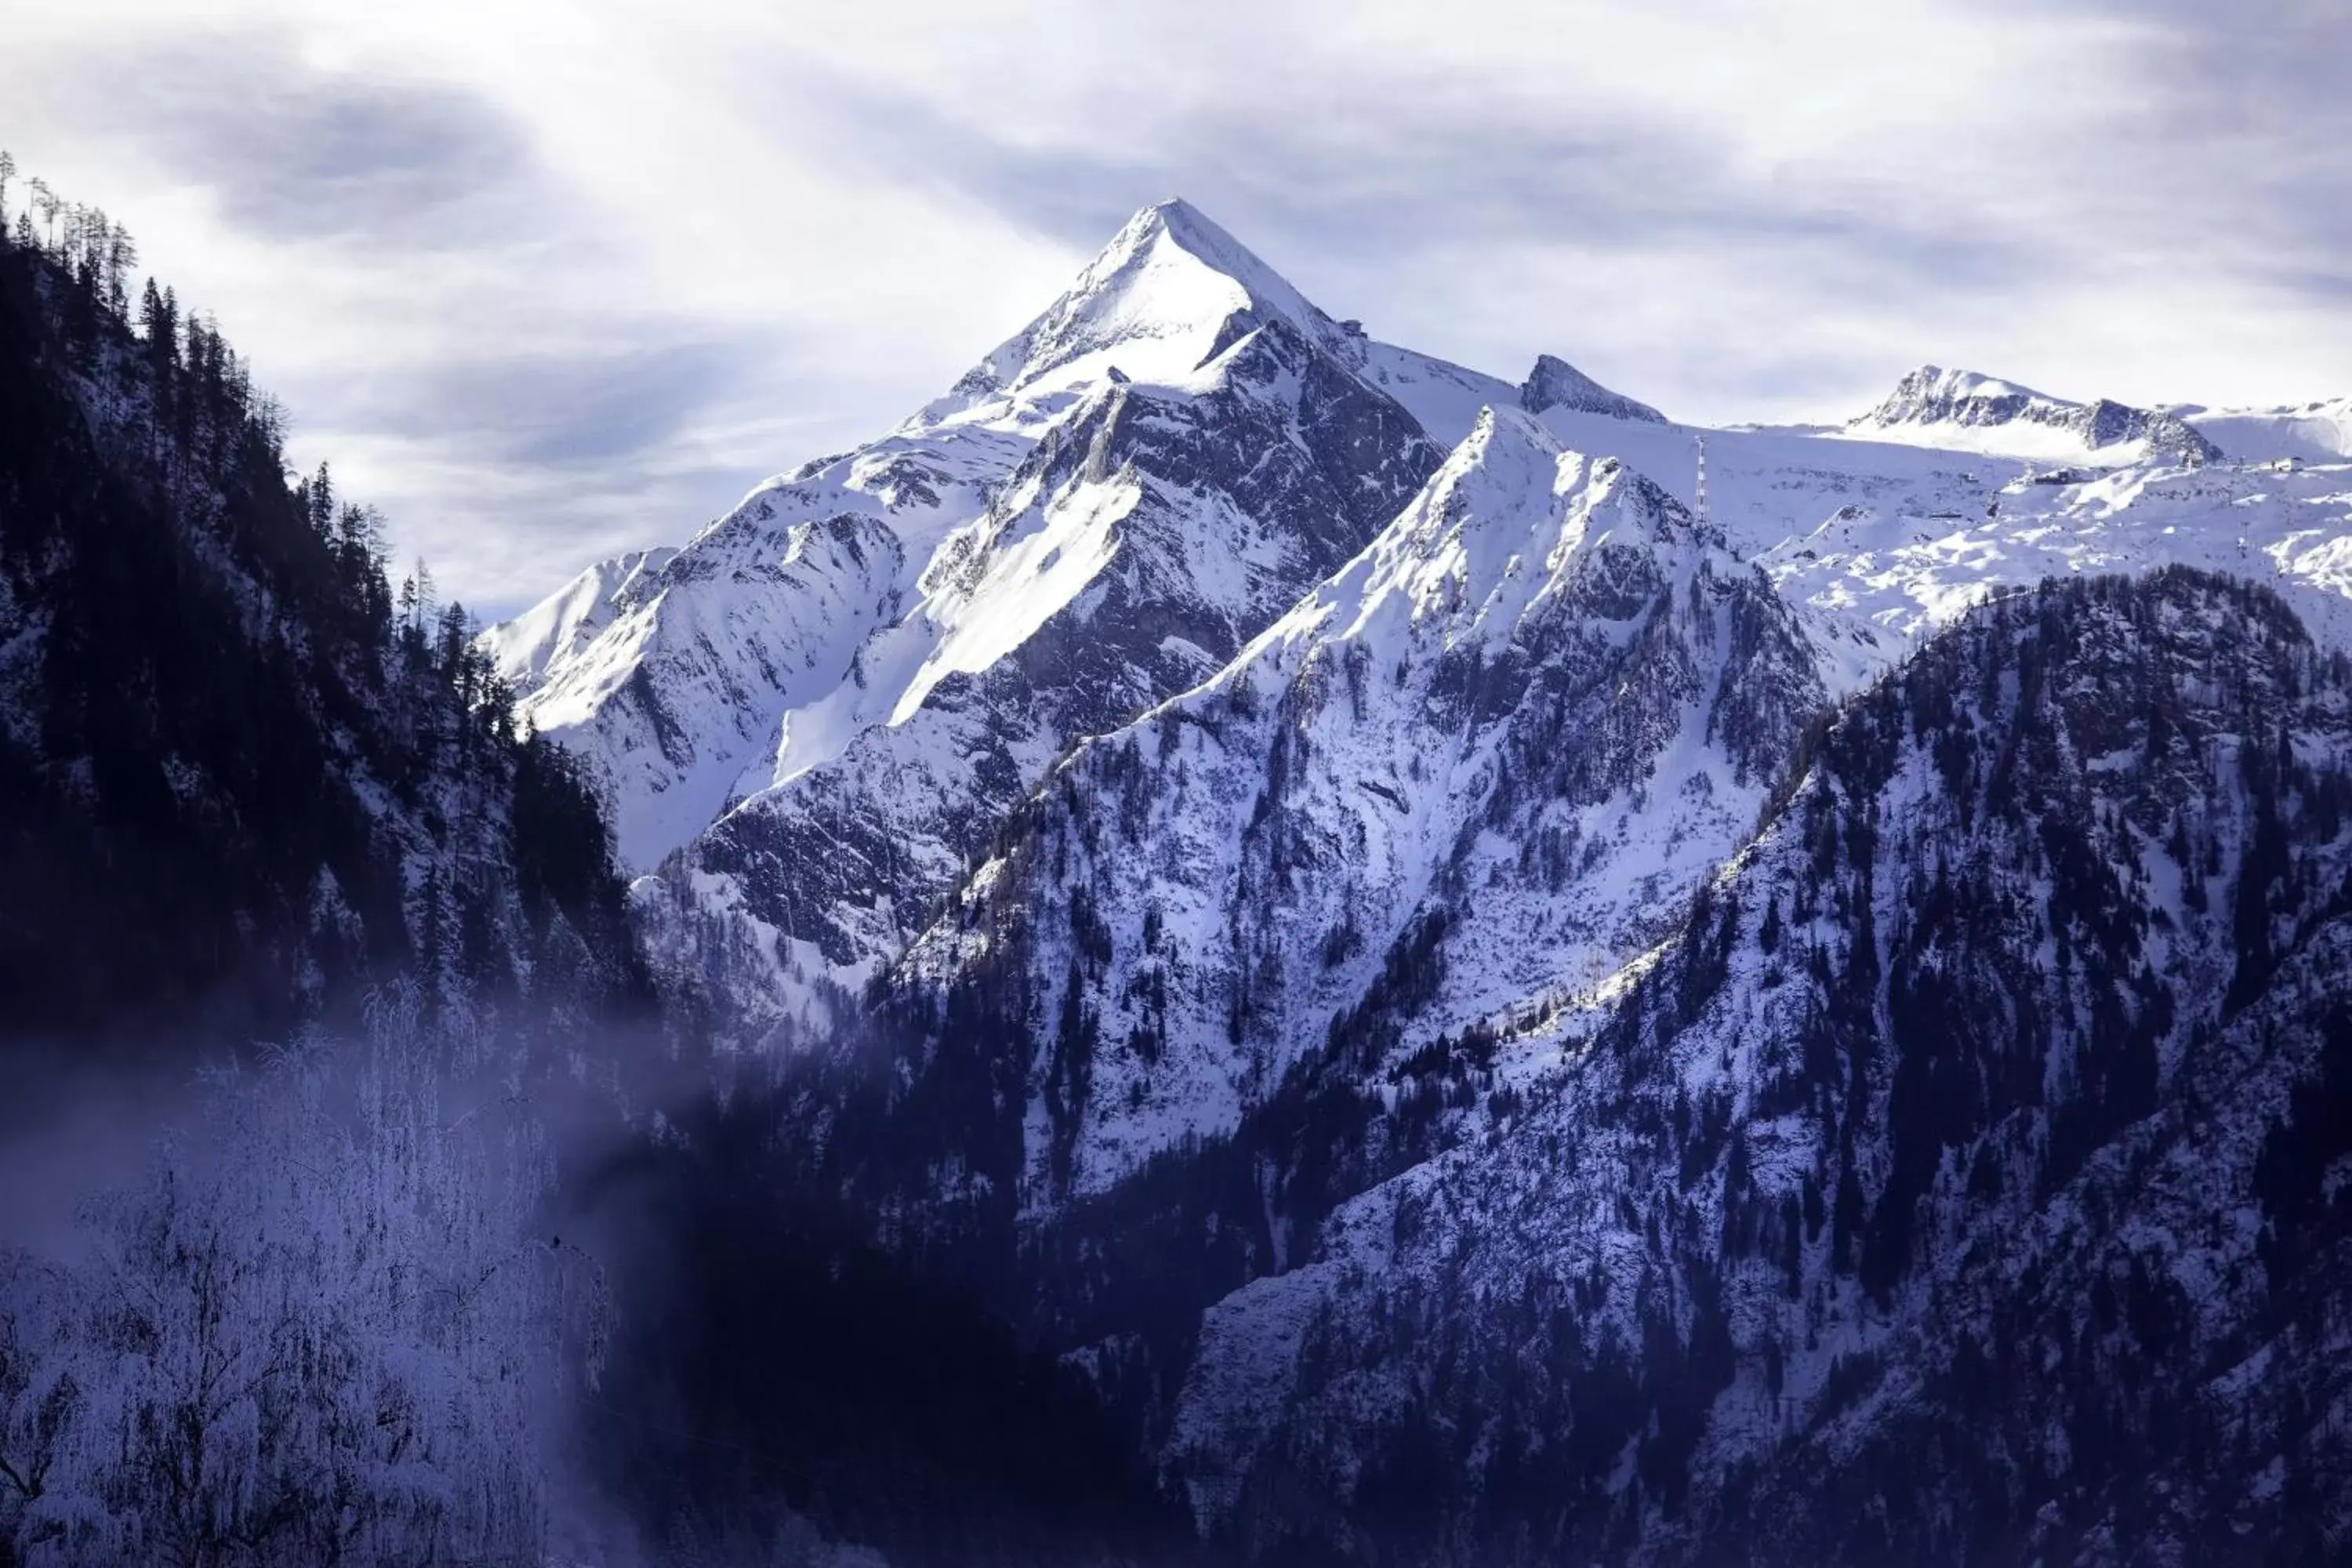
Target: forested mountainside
[[1956, 1187], [291, 907], [1957, 1182], [241, 773]]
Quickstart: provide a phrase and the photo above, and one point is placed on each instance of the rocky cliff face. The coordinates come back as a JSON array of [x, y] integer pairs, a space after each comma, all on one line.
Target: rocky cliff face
[[1951, 1187], [812, 720], [1469, 770], [1556, 383], [1962, 408]]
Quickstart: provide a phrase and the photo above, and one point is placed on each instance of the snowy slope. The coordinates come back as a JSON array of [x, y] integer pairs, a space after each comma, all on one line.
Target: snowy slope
[[1980, 1108], [671, 671], [555, 631], [1448, 399], [695, 679], [1445, 398], [1499, 741], [1877, 543], [2316, 431]]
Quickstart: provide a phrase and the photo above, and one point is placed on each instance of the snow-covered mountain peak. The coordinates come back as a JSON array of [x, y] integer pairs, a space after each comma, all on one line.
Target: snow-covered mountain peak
[[1933, 399], [1170, 293], [1467, 530], [1185, 225], [1556, 383], [1965, 410], [1452, 741], [1506, 457], [1962, 397], [523, 649], [1509, 519]]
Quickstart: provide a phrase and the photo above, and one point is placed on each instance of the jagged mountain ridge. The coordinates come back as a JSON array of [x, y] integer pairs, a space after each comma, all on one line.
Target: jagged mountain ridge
[[1444, 751], [1876, 543], [815, 687], [1099, 516], [1963, 409], [1866, 1229]]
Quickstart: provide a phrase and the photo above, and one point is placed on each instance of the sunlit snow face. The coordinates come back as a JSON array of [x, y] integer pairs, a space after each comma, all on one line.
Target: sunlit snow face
[[548, 285]]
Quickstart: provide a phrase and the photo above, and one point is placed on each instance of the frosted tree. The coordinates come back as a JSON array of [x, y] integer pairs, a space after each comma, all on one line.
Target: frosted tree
[[330, 1335], [41, 1400], [46, 206]]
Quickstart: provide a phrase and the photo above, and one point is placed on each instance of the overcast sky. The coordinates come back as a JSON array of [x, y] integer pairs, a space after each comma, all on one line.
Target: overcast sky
[[548, 281]]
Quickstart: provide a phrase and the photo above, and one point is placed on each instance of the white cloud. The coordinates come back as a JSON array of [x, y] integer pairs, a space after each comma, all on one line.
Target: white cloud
[[552, 280]]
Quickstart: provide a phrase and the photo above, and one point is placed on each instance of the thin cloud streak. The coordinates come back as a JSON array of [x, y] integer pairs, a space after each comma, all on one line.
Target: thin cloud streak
[[294, 153]]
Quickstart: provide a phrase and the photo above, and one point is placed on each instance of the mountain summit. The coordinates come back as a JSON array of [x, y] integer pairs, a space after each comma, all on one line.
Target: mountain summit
[[825, 701], [1962, 408], [1556, 383], [1166, 296]]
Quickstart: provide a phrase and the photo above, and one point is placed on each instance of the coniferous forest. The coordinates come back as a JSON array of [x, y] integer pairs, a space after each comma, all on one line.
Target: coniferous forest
[[243, 772]]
